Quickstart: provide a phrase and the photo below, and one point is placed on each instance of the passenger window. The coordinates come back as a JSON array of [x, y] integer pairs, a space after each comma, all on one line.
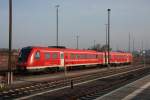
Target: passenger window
[[72, 56], [77, 56], [85, 56], [37, 55], [47, 56], [55, 55]]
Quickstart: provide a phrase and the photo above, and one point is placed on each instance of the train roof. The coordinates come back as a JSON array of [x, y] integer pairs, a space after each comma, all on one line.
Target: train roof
[[121, 53], [59, 49], [70, 49]]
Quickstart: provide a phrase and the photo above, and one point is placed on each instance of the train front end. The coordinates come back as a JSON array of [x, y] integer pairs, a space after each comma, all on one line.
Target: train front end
[[23, 58]]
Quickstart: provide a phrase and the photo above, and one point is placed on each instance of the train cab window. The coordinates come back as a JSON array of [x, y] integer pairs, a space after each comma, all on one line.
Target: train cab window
[[47, 56], [24, 53], [37, 55], [55, 55]]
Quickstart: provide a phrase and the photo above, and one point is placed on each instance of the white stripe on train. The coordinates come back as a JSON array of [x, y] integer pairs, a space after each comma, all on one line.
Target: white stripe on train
[[39, 67]]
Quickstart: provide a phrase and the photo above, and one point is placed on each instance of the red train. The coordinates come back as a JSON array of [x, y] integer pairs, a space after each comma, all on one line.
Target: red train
[[39, 58]]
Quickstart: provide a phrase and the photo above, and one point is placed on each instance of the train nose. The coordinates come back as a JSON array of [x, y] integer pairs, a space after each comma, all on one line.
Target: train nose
[[22, 63], [21, 66]]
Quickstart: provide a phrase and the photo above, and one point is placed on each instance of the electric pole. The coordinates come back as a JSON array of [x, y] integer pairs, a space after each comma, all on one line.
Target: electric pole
[[57, 6], [94, 44], [133, 45], [129, 43], [108, 36], [9, 76], [77, 42], [106, 48]]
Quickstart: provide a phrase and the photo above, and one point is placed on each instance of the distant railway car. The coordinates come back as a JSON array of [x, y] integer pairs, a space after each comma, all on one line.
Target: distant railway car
[[120, 58], [39, 58]]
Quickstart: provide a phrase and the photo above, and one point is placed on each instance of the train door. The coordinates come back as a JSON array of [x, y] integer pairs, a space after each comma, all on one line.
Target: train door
[[37, 58], [62, 59], [127, 58], [104, 58]]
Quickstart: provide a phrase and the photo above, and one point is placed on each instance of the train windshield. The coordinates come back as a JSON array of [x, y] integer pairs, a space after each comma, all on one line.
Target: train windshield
[[24, 53]]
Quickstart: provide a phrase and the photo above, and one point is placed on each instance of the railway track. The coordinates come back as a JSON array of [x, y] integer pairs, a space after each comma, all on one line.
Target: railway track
[[37, 87], [93, 89], [112, 83]]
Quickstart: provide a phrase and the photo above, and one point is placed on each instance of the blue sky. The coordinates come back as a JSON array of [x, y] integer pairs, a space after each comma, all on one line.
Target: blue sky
[[34, 22]]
